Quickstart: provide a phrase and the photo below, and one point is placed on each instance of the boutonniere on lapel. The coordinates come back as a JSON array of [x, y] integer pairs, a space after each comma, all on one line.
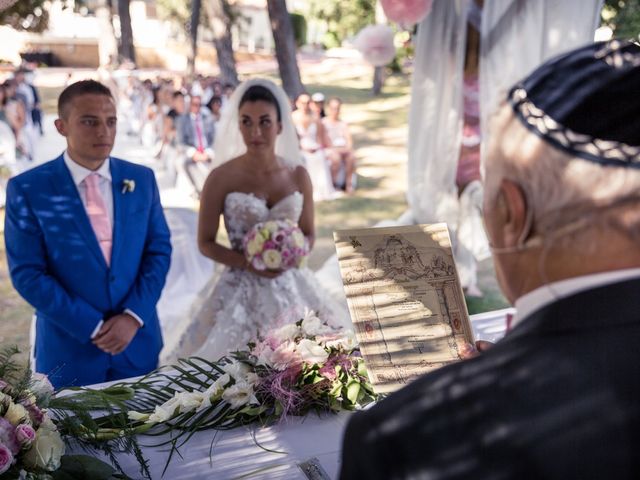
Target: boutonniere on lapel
[[128, 185]]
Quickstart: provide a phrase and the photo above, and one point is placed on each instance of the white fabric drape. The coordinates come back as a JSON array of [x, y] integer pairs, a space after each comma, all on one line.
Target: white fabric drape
[[435, 116], [516, 36]]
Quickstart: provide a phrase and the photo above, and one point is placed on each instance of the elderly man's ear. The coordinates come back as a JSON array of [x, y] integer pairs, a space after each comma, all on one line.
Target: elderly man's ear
[[513, 210]]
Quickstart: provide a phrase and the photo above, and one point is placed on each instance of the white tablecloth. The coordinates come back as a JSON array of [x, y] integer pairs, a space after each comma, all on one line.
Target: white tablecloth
[[236, 454]]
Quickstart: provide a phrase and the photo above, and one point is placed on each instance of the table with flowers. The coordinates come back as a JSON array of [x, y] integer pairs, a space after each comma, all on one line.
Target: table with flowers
[[275, 410], [292, 447]]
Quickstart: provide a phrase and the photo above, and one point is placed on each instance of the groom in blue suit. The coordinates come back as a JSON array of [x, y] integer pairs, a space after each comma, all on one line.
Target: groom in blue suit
[[88, 247]]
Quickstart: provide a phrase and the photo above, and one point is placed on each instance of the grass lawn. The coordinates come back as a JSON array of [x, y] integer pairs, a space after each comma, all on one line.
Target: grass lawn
[[379, 128]]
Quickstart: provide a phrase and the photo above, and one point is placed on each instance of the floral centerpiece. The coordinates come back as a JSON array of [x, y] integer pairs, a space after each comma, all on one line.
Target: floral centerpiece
[[296, 369], [275, 245], [31, 445]]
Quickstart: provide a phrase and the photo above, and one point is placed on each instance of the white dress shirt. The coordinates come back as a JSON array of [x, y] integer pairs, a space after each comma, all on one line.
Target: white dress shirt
[[79, 174], [546, 294]]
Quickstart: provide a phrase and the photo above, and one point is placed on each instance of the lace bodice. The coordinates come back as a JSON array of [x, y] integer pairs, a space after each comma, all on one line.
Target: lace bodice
[[243, 210]]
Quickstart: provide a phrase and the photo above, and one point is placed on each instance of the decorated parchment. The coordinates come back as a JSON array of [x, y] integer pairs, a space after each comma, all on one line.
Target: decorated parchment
[[405, 300]]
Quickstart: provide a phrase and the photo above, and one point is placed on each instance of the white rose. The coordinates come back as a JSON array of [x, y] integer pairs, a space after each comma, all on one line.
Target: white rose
[[286, 332], [237, 370], [17, 414], [312, 325], [253, 247], [271, 226], [46, 450], [259, 239], [272, 259], [311, 352], [298, 238], [239, 394], [41, 385]]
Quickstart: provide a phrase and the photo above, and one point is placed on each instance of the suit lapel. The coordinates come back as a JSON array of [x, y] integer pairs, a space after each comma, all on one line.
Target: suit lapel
[[121, 206], [68, 190]]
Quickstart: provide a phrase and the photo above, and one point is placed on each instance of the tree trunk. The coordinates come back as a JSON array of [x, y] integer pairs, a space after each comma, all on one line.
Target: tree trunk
[[379, 72], [285, 47], [218, 13], [196, 7], [126, 49], [378, 80]]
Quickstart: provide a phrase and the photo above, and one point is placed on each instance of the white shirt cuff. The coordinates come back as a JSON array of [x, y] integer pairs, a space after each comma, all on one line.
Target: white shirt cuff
[[97, 329], [134, 315], [101, 322]]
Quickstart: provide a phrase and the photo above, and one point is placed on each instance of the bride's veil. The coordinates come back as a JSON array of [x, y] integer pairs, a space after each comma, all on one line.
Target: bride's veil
[[228, 143]]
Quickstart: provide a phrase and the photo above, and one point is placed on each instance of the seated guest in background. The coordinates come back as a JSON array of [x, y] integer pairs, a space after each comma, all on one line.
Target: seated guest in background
[[16, 117], [340, 154], [317, 104], [557, 398], [196, 132], [88, 247], [177, 109], [27, 90], [215, 107], [313, 141]]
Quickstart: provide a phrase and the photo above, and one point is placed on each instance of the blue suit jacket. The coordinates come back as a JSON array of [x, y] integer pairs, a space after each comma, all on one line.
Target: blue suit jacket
[[56, 264]]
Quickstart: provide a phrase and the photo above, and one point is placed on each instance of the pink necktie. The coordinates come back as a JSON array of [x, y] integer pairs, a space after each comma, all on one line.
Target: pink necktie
[[97, 212]]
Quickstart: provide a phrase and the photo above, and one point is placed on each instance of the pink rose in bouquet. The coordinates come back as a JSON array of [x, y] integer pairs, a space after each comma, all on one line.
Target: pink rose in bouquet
[[275, 245]]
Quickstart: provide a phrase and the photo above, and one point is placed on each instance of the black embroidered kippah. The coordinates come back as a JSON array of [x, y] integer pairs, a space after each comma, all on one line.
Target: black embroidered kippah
[[586, 102]]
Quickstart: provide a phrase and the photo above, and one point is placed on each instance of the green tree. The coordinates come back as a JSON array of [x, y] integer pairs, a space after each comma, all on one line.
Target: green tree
[[28, 15], [623, 17], [343, 19]]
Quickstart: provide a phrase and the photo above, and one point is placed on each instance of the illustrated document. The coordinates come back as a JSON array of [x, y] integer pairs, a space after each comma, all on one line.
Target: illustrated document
[[405, 300]]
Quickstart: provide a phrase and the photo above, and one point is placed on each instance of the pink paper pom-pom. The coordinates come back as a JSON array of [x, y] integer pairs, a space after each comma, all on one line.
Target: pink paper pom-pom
[[375, 43], [406, 12]]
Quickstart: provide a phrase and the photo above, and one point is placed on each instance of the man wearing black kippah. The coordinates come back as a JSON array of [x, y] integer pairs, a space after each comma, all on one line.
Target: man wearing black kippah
[[558, 397]]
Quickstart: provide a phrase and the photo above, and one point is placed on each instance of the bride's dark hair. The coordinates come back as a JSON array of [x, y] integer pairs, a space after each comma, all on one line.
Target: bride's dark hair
[[257, 93]]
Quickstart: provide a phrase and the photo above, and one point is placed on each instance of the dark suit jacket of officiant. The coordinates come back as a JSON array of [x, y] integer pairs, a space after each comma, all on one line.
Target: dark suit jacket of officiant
[[557, 398]]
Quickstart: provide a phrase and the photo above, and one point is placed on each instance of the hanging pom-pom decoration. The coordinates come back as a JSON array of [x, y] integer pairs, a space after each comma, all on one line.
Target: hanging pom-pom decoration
[[375, 43]]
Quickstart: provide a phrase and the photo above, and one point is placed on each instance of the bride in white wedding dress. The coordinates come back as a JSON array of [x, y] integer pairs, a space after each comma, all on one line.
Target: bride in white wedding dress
[[260, 178]]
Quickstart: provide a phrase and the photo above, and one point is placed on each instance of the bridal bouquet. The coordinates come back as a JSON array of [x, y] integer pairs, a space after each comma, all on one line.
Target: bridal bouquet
[[31, 445], [275, 245]]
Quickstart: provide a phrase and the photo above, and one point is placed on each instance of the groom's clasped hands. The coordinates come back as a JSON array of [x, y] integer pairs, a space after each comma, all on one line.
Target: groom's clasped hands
[[116, 333]]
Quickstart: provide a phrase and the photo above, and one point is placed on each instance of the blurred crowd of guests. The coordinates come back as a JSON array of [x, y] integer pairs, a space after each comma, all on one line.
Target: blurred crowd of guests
[[20, 125], [175, 120]]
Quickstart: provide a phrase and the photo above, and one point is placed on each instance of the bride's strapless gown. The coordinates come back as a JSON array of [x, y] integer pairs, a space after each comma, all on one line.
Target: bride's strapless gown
[[238, 304]]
